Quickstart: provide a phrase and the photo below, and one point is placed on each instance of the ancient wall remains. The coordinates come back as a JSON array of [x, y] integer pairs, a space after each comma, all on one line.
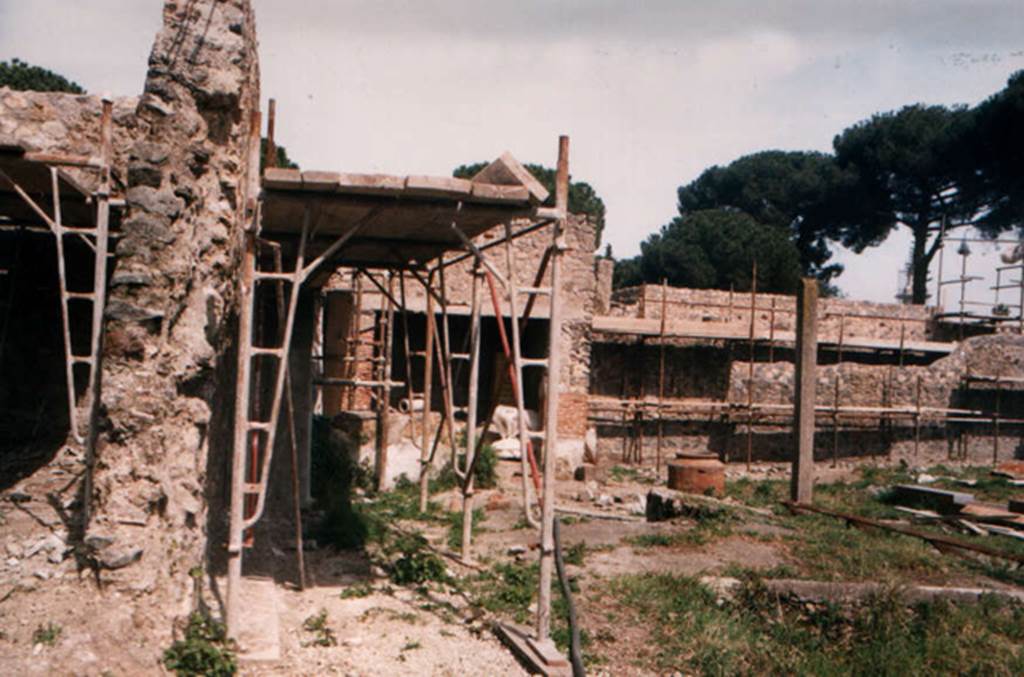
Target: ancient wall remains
[[167, 375], [856, 319]]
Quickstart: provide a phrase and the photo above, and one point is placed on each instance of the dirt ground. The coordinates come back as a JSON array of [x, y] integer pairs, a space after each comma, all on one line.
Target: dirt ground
[[378, 628]]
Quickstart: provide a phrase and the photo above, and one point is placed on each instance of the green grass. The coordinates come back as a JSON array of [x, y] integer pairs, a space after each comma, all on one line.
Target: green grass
[[753, 634]]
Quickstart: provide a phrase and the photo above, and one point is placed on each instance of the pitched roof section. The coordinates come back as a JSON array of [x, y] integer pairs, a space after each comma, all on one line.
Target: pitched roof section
[[507, 171]]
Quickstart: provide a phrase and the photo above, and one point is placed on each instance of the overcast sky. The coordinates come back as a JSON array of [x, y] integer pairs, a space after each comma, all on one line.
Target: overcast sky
[[651, 93]]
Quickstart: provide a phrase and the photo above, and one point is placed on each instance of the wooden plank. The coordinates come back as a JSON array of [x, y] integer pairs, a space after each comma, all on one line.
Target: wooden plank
[[611, 324], [320, 181], [537, 659], [507, 171], [489, 192]]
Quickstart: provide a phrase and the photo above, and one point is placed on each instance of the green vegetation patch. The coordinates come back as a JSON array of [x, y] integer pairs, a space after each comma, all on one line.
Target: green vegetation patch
[[205, 650], [756, 633]]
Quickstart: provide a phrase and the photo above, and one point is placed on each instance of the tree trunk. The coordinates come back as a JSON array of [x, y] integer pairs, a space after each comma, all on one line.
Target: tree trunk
[[919, 264]]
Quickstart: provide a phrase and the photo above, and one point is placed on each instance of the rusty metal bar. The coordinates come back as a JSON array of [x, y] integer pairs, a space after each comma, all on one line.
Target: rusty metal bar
[[939, 541]]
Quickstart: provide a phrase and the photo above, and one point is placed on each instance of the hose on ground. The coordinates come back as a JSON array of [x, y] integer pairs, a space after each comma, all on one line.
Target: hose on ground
[[575, 655]]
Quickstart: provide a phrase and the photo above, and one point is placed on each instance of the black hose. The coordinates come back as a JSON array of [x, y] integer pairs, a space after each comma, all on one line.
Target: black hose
[[575, 655]]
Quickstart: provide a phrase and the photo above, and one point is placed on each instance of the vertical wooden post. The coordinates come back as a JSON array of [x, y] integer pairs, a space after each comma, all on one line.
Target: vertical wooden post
[[661, 373], [270, 157], [471, 412], [547, 538], [428, 385], [802, 484], [750, 365]]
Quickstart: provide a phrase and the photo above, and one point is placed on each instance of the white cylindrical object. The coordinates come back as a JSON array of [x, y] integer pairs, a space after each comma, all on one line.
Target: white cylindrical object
[[407, 406]]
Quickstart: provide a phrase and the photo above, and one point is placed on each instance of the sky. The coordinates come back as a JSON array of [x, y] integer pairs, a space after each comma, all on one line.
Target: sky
[[651, 92]]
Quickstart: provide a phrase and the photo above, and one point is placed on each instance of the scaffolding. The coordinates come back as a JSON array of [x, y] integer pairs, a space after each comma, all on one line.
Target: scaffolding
[[388, 231], [970, 310], [28, 180], [632, 413]]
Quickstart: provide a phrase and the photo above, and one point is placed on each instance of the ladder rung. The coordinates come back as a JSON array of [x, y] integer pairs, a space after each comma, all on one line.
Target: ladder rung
[[275, 276], [87, 295], [460, 356], [276, 352], [252, 487], [364, 342], [77, 230], [536, 434], [534, 290], [529, 362], [80, 359], [259, 425], [417, 353]]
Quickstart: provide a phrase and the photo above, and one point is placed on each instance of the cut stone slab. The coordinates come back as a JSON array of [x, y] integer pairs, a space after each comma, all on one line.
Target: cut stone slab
[[507, 171], [259, 627], [939, 500]]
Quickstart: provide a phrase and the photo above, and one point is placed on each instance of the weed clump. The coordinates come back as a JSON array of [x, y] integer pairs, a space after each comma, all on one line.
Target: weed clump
[[317, 624], [416, 565], [205, 650], [47, 635]]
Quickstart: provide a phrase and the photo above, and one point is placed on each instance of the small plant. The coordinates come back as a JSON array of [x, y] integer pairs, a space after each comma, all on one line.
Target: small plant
[[575, 554], [417, 565], [47, 635], [485, 473], [356, 591], [205, 650], [322, 633]]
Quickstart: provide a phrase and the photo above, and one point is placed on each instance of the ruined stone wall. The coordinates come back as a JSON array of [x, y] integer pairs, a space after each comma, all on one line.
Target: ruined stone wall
[[168, 370], [866, 385], [70, 123], [858, 319]]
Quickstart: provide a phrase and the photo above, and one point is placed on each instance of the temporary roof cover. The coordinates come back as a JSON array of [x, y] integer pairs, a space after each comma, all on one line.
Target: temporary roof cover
[[403, 220]]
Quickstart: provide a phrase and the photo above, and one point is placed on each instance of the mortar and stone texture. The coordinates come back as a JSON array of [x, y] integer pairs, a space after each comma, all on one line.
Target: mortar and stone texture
[[180, 161], [856, 319]]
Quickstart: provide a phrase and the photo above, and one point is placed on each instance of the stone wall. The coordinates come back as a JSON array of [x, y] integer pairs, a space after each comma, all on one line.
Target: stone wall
[[580, 297], [168, 370], [858, 319], [865, 385]]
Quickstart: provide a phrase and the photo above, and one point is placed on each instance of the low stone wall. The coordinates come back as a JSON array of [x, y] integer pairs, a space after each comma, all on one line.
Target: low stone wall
[[854, 319]]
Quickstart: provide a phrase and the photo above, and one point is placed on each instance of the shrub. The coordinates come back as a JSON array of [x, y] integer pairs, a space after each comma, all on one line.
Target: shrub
[[205, 650]]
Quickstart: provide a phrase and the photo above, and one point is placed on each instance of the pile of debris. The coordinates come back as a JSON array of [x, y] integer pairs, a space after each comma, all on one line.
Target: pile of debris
[[962, 510]]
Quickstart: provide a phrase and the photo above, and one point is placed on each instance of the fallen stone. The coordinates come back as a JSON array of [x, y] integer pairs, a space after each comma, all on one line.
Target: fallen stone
[[666, 504], [591, 473], [19, 497], [517, 549], [120, 559], [604, 500]]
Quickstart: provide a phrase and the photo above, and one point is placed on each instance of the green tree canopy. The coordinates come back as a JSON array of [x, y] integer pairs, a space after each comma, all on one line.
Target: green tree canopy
[[583, 199], [19, 75], [796, 191], [715, 249], [997, 144], [283, 161], [913, 170]]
